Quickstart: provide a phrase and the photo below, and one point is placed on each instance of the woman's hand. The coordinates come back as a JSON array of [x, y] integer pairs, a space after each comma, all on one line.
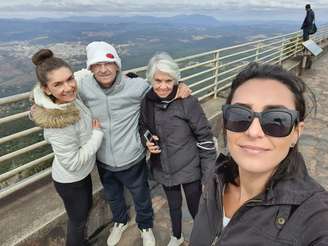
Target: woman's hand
[[183, 91], [96, 124], [154, 149], [32, 111]]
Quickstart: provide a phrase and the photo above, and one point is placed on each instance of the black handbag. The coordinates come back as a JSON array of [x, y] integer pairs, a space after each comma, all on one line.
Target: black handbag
[[313, 29]]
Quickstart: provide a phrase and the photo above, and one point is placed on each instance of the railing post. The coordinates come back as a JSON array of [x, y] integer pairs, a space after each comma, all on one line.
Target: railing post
[[216, 72], [282, 50], [258, 47], [296, 45]]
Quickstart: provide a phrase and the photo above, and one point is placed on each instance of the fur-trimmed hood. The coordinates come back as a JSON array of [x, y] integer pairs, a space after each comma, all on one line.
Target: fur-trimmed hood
[[48, 114]]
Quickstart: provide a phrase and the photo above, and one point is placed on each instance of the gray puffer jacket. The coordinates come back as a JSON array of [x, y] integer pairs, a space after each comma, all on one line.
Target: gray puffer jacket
[[292, 211], [179, 127]]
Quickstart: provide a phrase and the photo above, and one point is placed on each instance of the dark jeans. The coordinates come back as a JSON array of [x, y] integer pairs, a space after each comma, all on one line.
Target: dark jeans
[[77, 198], [306, 34], [135, 180], [192, 192]]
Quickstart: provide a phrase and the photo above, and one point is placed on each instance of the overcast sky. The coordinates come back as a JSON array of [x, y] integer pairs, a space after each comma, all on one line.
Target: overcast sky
[[218, 8]]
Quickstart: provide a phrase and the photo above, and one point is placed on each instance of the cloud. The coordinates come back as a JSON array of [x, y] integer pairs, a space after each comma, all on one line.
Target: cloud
[[127, 7]]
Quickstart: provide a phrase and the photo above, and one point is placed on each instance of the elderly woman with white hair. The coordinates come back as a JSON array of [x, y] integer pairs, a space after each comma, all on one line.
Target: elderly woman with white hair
[[179, 139]]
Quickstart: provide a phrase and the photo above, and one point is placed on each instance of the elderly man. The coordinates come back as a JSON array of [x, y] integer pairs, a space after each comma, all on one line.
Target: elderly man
[[115, 100]]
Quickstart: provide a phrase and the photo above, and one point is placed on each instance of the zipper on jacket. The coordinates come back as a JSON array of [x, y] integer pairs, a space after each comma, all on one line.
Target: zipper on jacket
[[111, 130], [216, 239]]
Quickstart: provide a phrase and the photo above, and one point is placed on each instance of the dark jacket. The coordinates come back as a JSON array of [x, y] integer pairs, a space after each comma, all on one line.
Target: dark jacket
[[179, 127], [293, 211], [308, 20]]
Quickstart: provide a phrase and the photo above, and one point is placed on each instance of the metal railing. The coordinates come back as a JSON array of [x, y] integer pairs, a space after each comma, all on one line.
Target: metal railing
[[206, 73]]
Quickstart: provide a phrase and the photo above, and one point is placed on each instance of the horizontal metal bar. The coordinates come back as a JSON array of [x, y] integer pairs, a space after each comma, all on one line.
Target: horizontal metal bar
[[197, 55], [224, 87], [203, 89], [252, 49], [14, 98], [215, 115], [136, 70], [289, 53], [278, 48], [13, 117], [239, 60], [232, 69], [24, 167], [206, 95], [290, 48], [238, 53], [279, 42], [227, 78], [19, 134], [267, 56], [13, 188], [202, 81], [22, 151], [198, 65], [260, 41], [271, 60], [198, 74]]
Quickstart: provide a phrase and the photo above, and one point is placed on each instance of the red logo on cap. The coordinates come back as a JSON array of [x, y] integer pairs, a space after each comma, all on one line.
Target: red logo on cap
[[109, 55]]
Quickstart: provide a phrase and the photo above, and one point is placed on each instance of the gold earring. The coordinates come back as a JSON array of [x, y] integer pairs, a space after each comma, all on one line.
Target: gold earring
[[292, 145]]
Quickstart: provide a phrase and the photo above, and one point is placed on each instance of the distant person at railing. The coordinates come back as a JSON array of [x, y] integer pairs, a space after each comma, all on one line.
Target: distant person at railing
[[74, 137], [261, 192], [308, 22], [115, 99], [179, 139]]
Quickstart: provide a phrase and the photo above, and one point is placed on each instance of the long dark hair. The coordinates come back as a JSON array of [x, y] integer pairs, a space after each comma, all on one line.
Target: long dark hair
[[297, 86]]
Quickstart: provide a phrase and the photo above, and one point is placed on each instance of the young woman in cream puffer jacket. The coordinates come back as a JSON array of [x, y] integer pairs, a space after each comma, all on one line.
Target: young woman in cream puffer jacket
[[67, 127], [74, 136]]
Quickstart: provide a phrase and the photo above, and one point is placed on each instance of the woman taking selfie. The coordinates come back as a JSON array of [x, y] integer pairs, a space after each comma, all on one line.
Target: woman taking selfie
[[73, 135], [261, 192]]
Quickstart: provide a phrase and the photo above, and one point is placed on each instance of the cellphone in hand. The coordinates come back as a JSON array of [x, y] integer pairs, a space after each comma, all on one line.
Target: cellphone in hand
[[149, 137]]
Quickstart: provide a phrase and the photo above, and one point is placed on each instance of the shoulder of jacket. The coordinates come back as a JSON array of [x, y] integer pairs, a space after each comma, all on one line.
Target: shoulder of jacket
[[56, 118], [190, 100], [188, 103], [320, 198], [82, 75], [136, 81]]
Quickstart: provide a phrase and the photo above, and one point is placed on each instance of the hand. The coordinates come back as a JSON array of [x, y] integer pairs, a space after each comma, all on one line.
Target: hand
[[96, 124], [32, 111], [154, 149], [183, 91]]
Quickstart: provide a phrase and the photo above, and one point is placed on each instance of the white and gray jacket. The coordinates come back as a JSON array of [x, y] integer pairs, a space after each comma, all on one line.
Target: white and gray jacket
[[68, 128], [118, 109]]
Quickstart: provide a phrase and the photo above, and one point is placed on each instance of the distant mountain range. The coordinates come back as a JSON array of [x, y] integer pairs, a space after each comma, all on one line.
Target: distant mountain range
[[198, 20]]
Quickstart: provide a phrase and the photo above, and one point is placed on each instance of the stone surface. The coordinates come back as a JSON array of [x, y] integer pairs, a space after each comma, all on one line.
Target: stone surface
[[314, 141]]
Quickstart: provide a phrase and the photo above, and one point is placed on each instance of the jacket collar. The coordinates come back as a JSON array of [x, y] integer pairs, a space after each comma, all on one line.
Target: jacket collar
[[289, 190], [48, 114]]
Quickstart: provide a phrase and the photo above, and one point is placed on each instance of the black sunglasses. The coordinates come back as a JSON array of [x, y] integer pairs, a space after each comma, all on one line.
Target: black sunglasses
[[277, 122]]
